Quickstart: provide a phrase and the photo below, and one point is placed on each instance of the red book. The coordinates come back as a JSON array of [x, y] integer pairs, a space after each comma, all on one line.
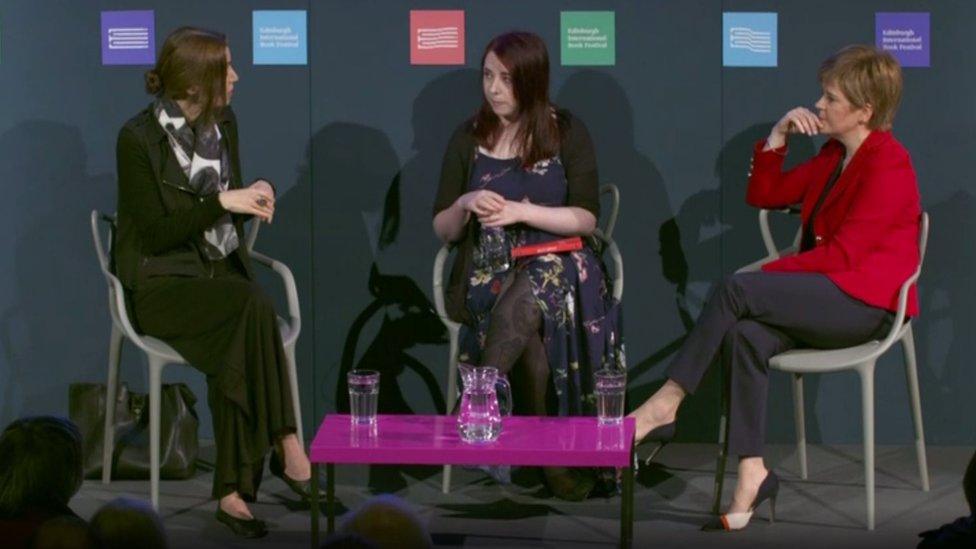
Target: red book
[[556, 246]]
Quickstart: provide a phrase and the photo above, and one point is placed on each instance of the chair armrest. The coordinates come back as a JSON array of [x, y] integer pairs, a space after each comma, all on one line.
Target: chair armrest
[[618, 262], [757, 265], [291, 290], [439, 304], [767, 235], [899, 321], [614, 192]]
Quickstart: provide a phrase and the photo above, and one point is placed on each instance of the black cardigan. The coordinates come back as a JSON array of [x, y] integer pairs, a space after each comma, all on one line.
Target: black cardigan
[[579, 162], [161, 220]]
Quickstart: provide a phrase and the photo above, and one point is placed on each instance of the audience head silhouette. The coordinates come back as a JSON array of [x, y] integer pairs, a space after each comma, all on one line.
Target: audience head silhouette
[[124, 522], [388, 522]]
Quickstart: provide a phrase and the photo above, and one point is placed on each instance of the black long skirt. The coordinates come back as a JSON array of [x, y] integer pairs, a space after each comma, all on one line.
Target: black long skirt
[[226, 327]]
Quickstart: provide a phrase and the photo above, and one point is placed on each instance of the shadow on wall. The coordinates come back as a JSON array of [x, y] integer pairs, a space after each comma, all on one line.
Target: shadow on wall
[[392, 327], [601, 103], [948, 306], [714, 233], [54, 325]]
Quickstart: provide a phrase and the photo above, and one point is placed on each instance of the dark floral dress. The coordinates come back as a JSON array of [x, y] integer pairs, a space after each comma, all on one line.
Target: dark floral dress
[[581, 321]]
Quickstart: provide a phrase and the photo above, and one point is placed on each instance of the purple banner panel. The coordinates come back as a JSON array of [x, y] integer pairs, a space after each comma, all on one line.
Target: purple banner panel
[[128, 37], [905, 35]]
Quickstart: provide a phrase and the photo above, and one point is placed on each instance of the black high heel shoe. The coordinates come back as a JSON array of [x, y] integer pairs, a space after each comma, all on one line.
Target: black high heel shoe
[[662, 435], [302, 488], [245, 528], [731, 522]]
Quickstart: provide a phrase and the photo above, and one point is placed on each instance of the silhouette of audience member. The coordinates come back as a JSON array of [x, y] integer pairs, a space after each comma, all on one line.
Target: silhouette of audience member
[[346, 541], [962, 531], [40, 471], [389, 523], [64, 532], [123, 523]]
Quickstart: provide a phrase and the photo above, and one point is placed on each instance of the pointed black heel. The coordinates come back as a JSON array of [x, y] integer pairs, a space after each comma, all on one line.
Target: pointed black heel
[[662, 435], [731, 522]]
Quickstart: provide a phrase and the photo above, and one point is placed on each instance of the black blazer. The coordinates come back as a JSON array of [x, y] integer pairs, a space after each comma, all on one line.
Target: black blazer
[[161, 220]]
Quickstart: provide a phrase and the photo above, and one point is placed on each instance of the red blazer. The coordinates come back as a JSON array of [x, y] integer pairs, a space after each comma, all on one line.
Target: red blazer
[[867, 227]]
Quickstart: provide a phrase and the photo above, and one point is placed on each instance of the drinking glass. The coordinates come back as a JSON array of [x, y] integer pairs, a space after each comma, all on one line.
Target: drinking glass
[[609, 387], [364, 390]]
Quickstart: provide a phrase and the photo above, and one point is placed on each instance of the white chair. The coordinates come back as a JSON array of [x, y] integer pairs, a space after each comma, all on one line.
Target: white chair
[[160, 354], [860, 358], [602, 236]]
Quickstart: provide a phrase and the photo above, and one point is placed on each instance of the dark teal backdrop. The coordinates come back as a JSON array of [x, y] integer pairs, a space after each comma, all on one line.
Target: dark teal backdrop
[[354, 140]]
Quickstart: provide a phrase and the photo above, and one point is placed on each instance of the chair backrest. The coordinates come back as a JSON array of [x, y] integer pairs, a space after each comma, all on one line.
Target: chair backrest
[[923, 238], [103, 231], [767, 235], [897, 325], [611, 219]]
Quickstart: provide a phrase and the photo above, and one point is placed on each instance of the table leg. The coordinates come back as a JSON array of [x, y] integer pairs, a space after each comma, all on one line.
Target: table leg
[[330, 496], [627, 505], [315, 505]]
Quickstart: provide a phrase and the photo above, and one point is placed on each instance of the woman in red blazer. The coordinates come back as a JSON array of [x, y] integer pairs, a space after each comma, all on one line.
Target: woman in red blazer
[[860, 243]]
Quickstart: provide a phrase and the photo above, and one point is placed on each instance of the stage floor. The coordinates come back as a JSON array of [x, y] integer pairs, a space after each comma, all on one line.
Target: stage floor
[[671, 502]]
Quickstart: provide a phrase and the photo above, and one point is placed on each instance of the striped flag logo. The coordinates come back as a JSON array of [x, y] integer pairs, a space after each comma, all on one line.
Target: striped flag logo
[[751, 40], [128, 38], [438, 38]]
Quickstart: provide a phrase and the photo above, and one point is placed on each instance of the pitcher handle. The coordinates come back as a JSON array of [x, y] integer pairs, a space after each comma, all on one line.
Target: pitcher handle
[[504, 404]]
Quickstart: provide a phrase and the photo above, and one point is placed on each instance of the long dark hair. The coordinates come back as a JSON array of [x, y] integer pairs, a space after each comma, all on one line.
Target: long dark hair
[[192, 57], [40, 464], [524, 55]]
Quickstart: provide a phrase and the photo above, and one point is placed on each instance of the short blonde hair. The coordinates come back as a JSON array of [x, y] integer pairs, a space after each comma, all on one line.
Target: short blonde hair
[[866, 76]]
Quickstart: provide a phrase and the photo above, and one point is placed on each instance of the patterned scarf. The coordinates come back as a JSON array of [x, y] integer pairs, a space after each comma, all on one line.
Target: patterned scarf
[[203, 158]]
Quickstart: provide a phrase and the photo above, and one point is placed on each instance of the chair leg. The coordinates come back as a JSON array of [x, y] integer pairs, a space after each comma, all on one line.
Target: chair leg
[[723, 446], [723, 456], [867, 412], [451, 397], [911, 376], [111, 390], [800, 424], [293, 383], [155, 394]]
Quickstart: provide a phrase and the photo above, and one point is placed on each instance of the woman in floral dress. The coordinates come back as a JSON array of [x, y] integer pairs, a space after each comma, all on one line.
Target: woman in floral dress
[[524, 172]]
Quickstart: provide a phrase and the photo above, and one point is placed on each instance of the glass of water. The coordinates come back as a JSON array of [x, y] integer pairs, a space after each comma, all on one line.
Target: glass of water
[[610, 387], [364, 390]]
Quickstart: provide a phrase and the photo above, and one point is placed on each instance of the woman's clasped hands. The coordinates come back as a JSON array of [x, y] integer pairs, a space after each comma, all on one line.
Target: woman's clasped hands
[[492, 209]]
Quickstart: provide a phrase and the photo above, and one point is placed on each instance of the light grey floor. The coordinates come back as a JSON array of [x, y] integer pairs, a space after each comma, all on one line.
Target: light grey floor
[[671, 502]]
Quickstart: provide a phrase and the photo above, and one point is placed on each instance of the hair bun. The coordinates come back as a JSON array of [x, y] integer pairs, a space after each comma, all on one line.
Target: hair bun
[[154, 84]]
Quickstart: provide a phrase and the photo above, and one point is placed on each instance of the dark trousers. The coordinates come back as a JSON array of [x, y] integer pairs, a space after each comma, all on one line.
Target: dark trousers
[[753, 316]]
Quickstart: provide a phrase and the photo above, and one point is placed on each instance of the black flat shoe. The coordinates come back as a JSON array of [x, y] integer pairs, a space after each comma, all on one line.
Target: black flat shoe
[[245, 528], [303, 488], [730, 522], [662, 435]]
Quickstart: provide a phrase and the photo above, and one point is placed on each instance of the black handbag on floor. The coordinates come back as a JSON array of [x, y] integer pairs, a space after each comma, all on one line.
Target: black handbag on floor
[[178, 445]]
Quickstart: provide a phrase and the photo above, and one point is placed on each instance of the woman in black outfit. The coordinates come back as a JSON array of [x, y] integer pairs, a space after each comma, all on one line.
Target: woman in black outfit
[[180, 254]]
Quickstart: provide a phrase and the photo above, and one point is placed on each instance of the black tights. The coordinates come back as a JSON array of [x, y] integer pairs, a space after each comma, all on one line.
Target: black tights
[[514, 339]]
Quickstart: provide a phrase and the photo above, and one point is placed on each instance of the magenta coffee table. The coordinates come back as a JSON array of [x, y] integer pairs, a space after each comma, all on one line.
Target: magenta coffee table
[[434, 440]]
